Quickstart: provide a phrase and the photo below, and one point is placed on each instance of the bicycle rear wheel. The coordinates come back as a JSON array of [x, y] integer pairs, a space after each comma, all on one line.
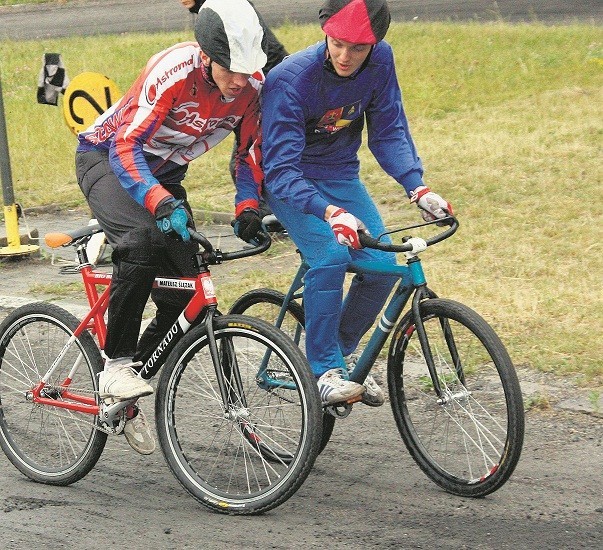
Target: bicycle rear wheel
[[266, 304], [469, 439], [48, 444], [251, 454]]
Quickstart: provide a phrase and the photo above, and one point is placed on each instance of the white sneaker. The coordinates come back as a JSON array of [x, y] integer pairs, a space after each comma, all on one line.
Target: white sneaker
[[333, 388], [122, 383], [373, 395], [138, 433]]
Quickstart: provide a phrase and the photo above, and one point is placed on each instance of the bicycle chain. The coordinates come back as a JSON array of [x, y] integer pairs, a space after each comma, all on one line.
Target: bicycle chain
[[95, 426]]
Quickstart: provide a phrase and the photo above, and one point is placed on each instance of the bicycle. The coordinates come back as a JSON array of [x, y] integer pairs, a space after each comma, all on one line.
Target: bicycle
[[238, 414], [453, 389]]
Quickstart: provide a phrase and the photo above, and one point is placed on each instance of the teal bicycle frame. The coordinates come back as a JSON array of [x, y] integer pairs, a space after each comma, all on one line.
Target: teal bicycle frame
[[412, 284]]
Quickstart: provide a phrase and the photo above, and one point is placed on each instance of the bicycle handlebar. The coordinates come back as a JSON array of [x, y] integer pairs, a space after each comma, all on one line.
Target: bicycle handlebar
[[216, 256], [411, 244], [272, 225]]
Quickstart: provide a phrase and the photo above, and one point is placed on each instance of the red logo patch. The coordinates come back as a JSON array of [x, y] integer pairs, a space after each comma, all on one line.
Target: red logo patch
[[151, 93]]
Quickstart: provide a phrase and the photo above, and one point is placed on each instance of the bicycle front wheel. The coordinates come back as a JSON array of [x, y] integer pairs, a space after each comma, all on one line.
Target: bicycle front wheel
[[266, 304], [47, 443], [469, 438], [244, 440]]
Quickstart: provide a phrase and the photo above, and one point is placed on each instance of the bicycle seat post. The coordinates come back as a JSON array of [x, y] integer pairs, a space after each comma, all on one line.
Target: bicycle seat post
[[82, 254]]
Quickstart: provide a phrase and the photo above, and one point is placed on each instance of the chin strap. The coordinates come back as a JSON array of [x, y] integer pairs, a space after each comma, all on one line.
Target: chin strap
[[208, 77]]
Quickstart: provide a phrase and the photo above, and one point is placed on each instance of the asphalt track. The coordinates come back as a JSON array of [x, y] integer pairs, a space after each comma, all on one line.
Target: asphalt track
[[89, 17], [364, 492]]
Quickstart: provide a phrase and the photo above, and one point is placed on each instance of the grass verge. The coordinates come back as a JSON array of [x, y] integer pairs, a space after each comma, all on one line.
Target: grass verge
[[507, 119]]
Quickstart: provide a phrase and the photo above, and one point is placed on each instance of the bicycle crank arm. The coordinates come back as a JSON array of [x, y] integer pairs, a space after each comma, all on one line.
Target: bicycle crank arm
[[112, 415]]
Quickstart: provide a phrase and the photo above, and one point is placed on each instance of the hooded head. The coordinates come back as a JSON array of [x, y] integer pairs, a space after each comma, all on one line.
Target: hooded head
[[356, 21], [230, 33]]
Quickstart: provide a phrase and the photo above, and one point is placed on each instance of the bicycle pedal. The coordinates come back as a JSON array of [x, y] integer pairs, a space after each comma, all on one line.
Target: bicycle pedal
[[338, 410], [112, 414], [356, 399]]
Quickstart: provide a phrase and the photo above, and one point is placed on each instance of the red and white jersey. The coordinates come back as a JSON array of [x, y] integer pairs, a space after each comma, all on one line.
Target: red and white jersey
[[171, 115]]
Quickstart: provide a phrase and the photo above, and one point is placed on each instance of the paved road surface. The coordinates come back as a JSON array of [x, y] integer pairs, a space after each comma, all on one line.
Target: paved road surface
[[85, 17], [364, 492]]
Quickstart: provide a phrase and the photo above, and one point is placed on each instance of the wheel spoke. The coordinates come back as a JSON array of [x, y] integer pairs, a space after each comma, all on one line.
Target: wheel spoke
[[247, 454], [49, 444]]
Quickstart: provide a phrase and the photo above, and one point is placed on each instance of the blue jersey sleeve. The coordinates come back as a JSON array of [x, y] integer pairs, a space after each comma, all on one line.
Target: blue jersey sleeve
[[389, 136], [283, 127]]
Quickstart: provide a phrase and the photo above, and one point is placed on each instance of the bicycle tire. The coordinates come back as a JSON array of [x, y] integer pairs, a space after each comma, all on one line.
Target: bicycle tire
[[266, 304], [47, 444], [470, 441], [209, 449]]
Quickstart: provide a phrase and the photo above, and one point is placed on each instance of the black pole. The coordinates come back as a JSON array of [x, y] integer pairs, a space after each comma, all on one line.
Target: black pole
[[5, 173]]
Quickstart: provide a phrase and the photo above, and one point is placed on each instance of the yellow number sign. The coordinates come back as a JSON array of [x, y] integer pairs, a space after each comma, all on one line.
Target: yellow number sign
[[87, 96]]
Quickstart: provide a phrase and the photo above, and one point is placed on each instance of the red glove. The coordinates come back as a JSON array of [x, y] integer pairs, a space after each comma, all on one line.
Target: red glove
[[345, 227], [431, 204]]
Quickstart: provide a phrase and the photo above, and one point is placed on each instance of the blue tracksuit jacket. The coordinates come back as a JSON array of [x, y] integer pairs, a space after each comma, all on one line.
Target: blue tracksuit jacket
[[313, 121]]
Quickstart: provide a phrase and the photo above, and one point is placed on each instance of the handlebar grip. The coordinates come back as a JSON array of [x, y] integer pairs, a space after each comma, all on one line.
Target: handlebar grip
[[370, 242], [453, 224], [200, 239]]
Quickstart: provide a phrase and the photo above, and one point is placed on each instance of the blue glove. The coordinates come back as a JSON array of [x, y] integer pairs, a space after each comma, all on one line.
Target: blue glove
[[173, 219]]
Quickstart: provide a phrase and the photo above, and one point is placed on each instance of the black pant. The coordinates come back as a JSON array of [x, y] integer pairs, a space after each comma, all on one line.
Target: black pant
[[140, 253]]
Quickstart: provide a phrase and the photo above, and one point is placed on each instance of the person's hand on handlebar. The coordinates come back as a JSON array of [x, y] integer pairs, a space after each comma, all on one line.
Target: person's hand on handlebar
[[173, 219], [345, 227], [432, 206], [248, 225]]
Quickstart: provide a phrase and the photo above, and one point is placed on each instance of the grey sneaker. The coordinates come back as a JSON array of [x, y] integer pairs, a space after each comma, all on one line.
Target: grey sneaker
[[333, 388], [122, 383], [373, 395], [138, 433]]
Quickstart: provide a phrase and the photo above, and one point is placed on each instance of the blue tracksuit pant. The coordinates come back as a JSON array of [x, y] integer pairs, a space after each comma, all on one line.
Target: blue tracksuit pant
[[335, 326]]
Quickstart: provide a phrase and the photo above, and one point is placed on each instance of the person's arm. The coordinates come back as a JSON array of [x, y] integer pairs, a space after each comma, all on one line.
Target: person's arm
[[249, 174], [284, 136], [141, 120], [391, 143], [389, 136]]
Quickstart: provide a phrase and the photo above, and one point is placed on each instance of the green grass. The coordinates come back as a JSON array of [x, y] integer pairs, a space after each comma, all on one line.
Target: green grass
[[507, 119], [18, 2], [56, 291]]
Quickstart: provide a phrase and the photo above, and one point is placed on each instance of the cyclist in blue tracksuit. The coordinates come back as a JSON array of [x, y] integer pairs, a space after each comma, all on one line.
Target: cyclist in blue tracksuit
[[315, 105]]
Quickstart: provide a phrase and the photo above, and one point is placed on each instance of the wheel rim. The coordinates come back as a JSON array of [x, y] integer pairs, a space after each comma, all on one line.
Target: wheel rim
[[463, 434], [246, 453], [45, 440]]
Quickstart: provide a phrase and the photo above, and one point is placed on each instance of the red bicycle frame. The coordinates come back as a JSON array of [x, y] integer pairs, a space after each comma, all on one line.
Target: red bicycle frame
[[204, 296]]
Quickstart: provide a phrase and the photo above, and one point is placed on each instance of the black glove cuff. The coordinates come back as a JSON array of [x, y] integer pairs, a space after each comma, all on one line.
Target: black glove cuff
[[166, 207]]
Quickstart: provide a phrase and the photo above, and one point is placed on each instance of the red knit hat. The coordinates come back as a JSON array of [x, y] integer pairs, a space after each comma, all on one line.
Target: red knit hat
[[356, 21]]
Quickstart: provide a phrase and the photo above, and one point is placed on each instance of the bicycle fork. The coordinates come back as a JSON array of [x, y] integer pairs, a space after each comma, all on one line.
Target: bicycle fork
[[424, 293], [412, 278], [227, 373]]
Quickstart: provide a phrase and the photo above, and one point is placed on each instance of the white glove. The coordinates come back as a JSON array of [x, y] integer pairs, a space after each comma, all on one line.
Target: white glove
[[345, 226], [432, 206]]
